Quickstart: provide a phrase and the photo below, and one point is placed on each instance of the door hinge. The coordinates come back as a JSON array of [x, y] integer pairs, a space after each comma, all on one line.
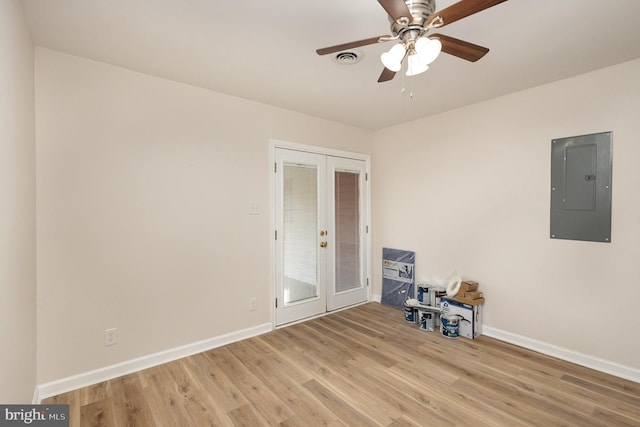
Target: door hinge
[[366, 176], [275, 167], [366, 229], [276, 302], [276, 232], [367, 282]]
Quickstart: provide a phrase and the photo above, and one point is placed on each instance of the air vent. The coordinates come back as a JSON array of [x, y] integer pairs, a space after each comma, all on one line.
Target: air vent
[[348, 57]]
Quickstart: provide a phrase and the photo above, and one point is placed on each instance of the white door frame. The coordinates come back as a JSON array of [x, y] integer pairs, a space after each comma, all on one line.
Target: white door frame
[[273, 145]]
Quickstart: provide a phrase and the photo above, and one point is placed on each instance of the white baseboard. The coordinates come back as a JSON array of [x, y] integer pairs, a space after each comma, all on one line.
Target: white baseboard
[[376, 298], [85, 379], [109, 372], [564, 354]]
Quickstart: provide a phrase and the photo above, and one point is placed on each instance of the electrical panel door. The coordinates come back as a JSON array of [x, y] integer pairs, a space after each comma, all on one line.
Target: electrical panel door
[[581, 187]]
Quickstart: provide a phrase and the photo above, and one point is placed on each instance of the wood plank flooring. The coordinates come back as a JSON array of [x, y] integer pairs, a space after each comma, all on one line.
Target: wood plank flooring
[[360, 367]]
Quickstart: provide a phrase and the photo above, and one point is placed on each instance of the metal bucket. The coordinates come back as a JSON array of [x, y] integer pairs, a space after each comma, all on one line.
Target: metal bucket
[[410, 314], [450, 326]]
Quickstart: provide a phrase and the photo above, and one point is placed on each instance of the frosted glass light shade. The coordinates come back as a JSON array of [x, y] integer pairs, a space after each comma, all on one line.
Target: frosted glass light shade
[[393, 59], [428, 50], [420, 43], [414, 66]]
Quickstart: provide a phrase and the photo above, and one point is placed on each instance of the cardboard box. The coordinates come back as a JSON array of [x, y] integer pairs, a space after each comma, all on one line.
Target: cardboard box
[[469, 285], [473, 295], [466, 287], [470, 316], [469, 301]]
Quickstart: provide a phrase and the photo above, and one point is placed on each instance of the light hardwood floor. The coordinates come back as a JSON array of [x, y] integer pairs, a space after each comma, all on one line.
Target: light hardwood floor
[[360, 367]]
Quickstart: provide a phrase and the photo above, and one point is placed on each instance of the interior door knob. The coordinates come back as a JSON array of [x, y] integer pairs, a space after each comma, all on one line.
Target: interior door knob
[[323, 244]]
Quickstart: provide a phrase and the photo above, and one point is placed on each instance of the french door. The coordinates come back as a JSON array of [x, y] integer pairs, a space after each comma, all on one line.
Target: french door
[[320, 237]]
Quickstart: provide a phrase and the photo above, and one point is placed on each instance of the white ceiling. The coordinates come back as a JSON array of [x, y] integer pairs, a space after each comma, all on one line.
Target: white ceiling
[[264, 50]]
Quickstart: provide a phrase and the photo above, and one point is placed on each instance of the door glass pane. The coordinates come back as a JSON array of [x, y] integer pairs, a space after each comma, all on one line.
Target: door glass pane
[[347, 220], [300, 227]]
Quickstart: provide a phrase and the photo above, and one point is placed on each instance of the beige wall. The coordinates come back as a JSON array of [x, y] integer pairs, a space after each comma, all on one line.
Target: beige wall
[[17, 208], [144, 187], [469, 190]]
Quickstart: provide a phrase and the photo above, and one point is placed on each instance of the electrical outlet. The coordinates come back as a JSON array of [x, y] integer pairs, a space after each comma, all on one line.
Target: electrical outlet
[[110, 336], [253, 304]]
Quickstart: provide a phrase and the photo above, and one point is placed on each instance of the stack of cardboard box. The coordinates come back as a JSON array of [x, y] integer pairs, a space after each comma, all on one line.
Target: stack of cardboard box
[[469, 294]]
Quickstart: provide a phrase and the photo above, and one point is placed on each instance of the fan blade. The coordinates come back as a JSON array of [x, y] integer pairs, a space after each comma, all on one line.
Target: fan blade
[[397, 9], [351, 45], [462, 9], [460, 48], [386, 75]]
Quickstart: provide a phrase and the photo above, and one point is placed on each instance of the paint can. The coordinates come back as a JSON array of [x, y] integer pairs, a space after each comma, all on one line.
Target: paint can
[[426, 320], [410, 314], [450, 325]]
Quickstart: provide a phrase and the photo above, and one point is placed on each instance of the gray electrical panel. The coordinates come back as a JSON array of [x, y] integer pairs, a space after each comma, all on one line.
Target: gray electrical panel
[[581, 187]]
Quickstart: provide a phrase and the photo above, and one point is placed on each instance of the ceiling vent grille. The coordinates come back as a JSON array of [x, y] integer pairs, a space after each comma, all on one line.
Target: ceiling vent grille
[[348, 57]]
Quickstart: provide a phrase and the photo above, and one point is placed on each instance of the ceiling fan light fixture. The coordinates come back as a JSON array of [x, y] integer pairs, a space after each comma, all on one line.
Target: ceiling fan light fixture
[[393, 59], [428, 50], [414, 66], [410, 21]]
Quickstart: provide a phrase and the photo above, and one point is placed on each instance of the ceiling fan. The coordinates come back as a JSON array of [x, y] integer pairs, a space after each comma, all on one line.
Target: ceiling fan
[[411, 20]]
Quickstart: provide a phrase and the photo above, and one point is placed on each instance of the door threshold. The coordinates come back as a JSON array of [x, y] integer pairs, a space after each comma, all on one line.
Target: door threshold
[[295, 322]]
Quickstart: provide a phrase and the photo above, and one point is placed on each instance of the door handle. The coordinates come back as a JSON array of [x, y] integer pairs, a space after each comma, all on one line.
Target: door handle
[[323, 244]]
